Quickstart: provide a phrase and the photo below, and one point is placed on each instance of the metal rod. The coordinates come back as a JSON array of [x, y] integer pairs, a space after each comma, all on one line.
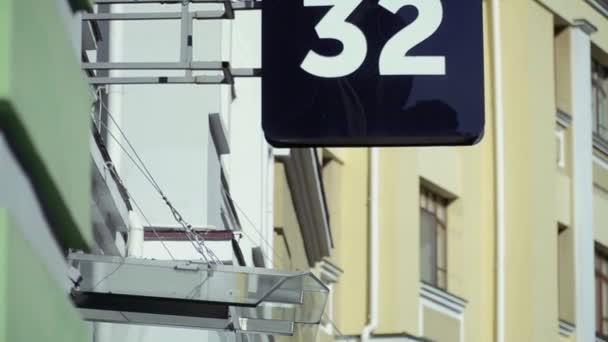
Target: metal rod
[[207, 15], [247, 5], [99, 2], [104, 2], [241, 5], [198, 15], [186, 38], [155, 66], [131, 16], [246, 72], [159, 80]]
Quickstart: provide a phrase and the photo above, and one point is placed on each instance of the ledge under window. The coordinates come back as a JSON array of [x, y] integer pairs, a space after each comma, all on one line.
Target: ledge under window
[[566, 328], [600, 144], [446, 300]]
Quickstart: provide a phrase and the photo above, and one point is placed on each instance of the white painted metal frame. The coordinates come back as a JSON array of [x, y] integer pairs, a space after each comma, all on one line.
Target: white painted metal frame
[[226, 74]]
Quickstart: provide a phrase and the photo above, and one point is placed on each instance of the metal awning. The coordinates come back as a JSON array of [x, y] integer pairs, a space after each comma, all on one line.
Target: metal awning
[[196, 295]]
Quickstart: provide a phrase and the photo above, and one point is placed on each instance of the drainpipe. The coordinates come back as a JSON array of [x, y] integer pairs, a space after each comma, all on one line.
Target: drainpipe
[[499, 165], [135, 243], [373, 245]]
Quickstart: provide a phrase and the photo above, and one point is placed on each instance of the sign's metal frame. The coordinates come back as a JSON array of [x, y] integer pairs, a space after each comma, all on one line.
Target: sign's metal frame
[[225, 73]]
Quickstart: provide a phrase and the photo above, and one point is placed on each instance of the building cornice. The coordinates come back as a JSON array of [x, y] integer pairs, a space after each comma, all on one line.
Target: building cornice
[[600, 5], [585, 25]]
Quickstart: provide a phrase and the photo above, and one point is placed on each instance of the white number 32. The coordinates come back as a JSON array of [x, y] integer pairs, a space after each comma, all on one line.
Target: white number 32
[[393, 57]]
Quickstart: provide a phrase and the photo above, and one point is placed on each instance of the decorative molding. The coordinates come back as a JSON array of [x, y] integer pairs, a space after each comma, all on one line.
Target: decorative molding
[[566, 328], [585, 25], [600, 145], [330, 272], [453, 304], [600, 5], [563, 119], [602, 161]]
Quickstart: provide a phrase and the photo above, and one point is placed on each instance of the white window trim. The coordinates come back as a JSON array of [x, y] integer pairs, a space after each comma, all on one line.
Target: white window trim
[[442, 302]]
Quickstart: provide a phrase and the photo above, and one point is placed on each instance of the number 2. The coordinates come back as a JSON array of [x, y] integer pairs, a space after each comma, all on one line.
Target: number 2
[[393, 59]]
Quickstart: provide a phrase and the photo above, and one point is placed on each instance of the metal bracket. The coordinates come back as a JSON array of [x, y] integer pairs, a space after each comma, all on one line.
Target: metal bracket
[[226, 74]]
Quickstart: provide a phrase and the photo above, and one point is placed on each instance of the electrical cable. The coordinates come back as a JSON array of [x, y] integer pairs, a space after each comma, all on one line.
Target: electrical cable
[[141, 212], [250, 221], [147, 171], [115, 174], [192, 236], [197, 241]]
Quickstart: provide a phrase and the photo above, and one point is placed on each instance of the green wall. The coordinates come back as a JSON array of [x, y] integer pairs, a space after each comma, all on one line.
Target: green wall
[[33, 307], [44, 113]]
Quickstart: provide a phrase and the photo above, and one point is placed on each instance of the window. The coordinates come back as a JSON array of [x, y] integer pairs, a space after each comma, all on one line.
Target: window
[[599, 94], [601, 285], [433, 239]]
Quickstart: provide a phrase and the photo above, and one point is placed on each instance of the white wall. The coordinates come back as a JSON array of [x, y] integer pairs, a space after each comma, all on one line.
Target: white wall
[[251, 160], [168, 125]]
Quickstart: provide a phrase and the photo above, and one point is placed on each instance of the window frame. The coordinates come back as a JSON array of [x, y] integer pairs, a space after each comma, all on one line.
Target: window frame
[[440, 224], [601, 280], [599, 93]]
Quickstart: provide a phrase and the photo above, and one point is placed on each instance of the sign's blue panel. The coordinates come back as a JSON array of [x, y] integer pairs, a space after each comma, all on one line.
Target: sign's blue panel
[[369, 72]]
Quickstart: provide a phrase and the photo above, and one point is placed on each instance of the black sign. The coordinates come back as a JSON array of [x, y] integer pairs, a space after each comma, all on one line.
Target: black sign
[[369, 72]]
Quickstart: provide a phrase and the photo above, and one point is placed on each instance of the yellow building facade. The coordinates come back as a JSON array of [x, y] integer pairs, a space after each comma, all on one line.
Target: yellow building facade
[[515, 252]]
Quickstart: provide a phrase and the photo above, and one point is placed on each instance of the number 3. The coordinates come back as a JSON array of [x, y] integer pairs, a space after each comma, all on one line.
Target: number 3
[[393, 59], [334, 26]]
